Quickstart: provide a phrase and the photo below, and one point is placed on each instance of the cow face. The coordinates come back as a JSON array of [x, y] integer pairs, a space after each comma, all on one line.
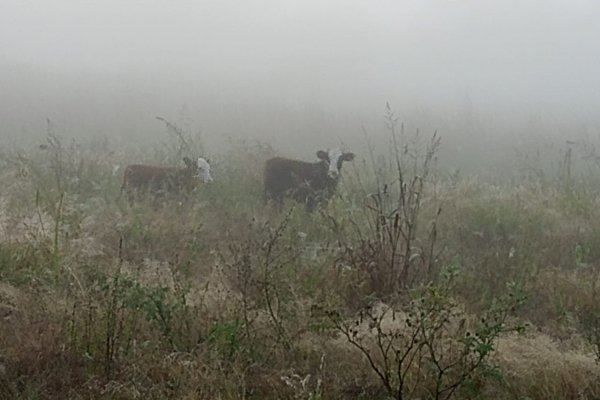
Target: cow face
[[199, 169], [334, 159], [204, 170]]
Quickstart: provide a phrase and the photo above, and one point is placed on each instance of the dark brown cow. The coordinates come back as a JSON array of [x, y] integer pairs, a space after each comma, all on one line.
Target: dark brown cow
[[138, 179], [308, 183]]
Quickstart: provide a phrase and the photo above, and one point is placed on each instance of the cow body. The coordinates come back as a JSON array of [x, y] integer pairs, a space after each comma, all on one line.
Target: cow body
[[305, 182], [157, 180]]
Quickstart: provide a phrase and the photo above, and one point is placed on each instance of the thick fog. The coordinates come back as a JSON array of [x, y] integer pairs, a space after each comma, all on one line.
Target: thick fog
[[304, 74]]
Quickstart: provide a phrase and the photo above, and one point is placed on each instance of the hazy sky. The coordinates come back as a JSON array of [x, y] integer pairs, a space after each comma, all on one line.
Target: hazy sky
[[436, 47], [484, 53]]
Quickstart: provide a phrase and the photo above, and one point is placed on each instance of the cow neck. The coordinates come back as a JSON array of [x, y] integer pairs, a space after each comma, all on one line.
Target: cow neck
[[322, 165]]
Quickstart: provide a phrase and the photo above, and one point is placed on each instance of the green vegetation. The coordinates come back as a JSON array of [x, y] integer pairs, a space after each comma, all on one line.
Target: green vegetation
[[410, 283]]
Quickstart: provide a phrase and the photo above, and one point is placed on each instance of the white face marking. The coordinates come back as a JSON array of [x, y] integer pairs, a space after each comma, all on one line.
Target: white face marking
[[204, 170], [334, 156]]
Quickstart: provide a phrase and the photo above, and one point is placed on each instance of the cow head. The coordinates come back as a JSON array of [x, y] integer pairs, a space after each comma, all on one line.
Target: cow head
[[334, 159], [200, 169], [204, 170]]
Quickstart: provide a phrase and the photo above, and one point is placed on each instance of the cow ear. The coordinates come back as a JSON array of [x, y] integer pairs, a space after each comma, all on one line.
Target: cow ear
[[188, 162], [348, 156], [323, 155]]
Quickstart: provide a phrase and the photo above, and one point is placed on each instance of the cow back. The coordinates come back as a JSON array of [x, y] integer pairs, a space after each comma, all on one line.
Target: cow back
[[157, 179]]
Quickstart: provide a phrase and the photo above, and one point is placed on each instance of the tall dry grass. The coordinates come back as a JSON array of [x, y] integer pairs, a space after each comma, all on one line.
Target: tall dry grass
[[221, 297]]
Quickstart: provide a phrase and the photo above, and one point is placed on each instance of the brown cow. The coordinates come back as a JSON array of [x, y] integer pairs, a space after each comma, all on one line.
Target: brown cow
[[138, 179], [308, 183]]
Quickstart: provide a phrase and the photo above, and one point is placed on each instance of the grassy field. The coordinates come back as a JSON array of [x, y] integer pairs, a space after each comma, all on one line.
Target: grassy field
[[411, 283]]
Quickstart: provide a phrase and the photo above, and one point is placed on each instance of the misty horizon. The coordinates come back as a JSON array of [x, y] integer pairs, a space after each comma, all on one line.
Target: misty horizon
[[293, 74]]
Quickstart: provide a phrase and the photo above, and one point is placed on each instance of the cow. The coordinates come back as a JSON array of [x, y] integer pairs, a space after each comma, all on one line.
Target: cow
[[305, 182], [138, 179]]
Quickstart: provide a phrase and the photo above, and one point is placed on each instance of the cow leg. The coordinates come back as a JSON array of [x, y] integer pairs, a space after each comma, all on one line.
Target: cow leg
[[275, 199], [130, 196], [310, 204], [277, 202]]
